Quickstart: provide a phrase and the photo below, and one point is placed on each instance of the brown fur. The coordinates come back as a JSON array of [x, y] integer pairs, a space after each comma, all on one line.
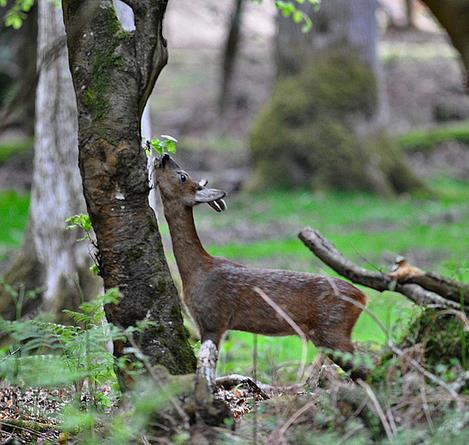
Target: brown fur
[[220, 293]]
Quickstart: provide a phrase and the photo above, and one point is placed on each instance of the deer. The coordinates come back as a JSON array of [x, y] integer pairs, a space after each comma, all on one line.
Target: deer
[[223, 295]]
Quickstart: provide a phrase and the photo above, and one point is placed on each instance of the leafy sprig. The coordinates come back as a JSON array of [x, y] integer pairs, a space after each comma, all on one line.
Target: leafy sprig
[[290, 9], [167, 144]]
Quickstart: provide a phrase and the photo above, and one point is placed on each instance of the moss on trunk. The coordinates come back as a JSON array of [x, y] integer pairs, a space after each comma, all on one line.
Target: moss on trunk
[[319, 130]]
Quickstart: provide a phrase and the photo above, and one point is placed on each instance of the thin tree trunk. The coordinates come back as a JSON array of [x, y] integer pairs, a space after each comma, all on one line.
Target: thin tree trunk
[[114, 71], [410, 13], [60, 263], [230, 53]]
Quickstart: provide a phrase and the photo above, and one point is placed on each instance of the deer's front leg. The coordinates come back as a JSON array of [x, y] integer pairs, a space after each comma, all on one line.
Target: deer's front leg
[[207, 368]]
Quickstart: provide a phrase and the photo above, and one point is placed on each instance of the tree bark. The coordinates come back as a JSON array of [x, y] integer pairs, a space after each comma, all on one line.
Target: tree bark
[[113, 72], [453, 15], [51, 258], [230, 53], [329, 107]]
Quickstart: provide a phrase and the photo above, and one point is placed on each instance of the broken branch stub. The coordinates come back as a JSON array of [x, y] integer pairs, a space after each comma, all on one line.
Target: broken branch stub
[[425, 289]]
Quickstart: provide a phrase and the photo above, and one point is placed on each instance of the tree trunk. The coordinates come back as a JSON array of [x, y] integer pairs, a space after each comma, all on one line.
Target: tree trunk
[[325, 124], [453, 15], [230, 53], [113, 72], [51, 258], [126, 17], [18, 72], [410, 13]]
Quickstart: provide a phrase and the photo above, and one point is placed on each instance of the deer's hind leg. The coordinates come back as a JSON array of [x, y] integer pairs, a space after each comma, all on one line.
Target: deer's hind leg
[[338, 341]]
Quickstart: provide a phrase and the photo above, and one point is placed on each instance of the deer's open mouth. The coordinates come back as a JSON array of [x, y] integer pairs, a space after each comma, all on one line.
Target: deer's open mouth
[[212, 197], [217, 205]]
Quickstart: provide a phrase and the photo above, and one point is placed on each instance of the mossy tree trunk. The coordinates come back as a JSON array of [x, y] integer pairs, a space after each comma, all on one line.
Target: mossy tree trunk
[[453, 15], [113, 72], [325, 125], [51, 259]]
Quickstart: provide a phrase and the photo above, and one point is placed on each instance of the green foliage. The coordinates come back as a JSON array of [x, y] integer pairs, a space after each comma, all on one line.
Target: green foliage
[[17, 13], [428, 139], [167, 144], [444, 337], [19, 296], [83, 221], [290, 9], [50, 354], [46, 354]]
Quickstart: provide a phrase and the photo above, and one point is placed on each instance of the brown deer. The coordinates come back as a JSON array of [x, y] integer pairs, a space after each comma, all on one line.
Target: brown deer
[[221, 294]]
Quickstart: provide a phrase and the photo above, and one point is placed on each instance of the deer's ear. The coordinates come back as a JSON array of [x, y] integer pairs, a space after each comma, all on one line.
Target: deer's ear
[[166, 161]]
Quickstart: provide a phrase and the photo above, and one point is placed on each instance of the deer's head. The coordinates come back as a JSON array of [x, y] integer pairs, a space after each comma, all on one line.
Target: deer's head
[[177, 186]]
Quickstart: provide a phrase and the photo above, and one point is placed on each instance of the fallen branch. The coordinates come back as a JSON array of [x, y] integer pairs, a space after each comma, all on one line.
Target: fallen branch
[[380, 281], [29, 426]]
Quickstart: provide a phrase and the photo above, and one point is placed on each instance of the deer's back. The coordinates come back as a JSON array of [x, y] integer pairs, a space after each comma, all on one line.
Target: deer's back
[[225, 298]]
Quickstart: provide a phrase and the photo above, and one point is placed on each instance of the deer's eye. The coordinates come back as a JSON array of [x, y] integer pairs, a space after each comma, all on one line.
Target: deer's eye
[[182, 178]]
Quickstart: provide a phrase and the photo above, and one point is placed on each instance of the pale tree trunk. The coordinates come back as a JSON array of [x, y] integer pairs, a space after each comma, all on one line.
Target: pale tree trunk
[[113, 72], [51, 258], [325, 126], [126, 17]]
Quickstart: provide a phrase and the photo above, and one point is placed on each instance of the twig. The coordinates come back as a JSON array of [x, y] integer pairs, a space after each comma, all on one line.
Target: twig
[[29, 426], [295, 327], [378, 409], [426, 409], [280, 432]]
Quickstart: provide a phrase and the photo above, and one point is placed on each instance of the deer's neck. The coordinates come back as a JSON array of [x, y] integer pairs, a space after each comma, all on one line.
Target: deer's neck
[[190, 255]]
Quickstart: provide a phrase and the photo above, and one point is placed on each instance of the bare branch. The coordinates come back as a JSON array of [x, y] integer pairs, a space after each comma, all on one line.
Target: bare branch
[[329, 254], [151, 47]]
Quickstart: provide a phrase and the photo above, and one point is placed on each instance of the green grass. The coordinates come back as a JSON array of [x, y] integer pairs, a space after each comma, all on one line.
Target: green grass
[[14, 209], [428, 138]]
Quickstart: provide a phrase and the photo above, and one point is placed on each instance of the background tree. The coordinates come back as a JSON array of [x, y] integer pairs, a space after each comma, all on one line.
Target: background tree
[[114, 72], [453, 15], [51, 258], [18, 71], [325, 123], [230, 53]]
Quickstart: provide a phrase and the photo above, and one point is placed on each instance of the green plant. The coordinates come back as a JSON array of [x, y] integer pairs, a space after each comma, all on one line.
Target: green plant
[[83, 221], [290, 9], [17, 13], [165, 144], [50, 354], [19, 296]]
